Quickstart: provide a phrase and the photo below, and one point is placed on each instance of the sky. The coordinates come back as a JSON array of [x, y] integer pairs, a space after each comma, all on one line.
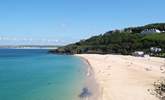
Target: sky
[[60, 22]]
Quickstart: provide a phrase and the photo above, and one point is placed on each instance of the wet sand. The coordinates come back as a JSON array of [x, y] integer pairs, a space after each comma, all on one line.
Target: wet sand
[[91, 82]]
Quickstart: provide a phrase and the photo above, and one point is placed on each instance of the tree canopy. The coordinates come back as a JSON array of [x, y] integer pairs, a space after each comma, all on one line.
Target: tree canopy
[[119, 42]]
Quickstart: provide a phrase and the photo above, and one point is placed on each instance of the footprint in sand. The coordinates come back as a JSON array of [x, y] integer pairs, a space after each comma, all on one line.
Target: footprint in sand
[[148, 69], [162, 68], [109, 67]]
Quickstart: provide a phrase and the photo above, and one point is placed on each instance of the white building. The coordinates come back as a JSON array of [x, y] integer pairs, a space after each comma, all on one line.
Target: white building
[[138, 53], [163, 31], [149, 31], [155, 49]]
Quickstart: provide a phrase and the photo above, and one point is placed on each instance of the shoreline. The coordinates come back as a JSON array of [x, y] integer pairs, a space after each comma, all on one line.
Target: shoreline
[[90, 81], [122, 77]]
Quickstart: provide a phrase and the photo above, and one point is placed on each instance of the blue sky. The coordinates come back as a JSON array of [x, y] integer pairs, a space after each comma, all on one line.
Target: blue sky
[[66, 21]]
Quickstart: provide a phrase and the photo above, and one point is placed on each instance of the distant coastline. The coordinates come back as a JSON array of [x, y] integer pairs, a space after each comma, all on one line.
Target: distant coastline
[[28, 47]]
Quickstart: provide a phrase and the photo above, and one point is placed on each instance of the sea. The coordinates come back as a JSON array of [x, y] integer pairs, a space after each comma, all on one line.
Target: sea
[[34, 74]]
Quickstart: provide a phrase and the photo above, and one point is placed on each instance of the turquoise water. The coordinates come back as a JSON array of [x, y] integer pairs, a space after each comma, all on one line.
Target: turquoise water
[[37, 75]]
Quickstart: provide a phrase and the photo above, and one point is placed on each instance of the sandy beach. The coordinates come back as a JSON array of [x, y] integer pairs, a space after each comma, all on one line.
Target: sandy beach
[[125, 77]]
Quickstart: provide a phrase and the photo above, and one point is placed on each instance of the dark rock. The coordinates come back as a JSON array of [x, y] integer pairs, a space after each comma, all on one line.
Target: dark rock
[[85, 93]]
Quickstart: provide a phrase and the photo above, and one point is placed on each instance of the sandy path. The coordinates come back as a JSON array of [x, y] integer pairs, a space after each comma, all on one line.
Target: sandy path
[[125, 77]]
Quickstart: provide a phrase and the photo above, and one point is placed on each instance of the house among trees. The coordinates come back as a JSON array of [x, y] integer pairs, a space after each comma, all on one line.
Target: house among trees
[[150, 31]]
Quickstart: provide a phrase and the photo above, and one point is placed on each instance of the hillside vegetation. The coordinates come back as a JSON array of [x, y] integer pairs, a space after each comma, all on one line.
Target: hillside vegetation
[[119, 42]]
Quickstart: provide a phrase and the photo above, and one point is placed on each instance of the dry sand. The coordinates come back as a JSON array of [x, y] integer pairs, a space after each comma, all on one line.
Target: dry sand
[[125, 77]]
